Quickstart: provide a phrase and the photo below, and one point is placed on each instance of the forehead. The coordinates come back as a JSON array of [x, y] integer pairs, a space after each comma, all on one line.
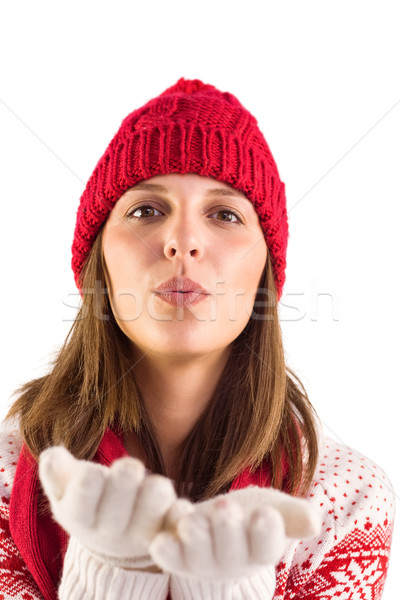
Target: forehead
[[175, 183], [175, 179]]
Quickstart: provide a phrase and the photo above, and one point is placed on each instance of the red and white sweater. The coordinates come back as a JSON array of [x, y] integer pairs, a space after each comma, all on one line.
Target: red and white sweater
[[349, 560]]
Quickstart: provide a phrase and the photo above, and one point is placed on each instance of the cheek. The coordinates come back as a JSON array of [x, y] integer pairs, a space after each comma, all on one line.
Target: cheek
[[122, 257], [124, 272], [249, 266], [241, 285]]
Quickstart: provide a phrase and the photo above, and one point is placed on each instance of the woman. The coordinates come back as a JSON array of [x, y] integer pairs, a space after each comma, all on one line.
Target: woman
[[169, 414]]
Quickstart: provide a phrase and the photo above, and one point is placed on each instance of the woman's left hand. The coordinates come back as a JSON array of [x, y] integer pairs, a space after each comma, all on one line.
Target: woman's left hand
[[233, 535]]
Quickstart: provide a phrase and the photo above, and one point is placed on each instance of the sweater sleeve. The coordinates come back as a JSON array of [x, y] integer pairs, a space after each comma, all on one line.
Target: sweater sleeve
[[86, 576], [350, 558], [260, 586], [16, 580]]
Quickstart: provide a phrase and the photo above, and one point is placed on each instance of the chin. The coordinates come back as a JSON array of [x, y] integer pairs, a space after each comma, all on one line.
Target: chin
[[180, 348]]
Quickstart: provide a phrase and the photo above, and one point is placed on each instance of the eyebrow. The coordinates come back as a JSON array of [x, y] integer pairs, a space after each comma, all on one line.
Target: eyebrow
[[152, 187]]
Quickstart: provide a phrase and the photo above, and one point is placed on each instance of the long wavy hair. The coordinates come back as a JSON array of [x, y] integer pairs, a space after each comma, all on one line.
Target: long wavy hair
[[259, 414]]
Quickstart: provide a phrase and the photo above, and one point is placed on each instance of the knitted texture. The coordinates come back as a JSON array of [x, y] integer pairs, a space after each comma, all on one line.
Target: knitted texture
[[85, 576], [348, 560], [258, 587], [190, 128]]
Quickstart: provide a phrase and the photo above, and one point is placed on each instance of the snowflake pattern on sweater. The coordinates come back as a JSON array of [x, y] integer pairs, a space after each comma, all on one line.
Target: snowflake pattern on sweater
[[349, 559], [15, 579]]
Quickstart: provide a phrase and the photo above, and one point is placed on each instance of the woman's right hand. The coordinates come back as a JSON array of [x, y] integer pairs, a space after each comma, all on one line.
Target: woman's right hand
[[113, 511]]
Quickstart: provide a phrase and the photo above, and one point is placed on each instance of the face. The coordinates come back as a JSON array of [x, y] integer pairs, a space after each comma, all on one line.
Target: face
[[198, 231]]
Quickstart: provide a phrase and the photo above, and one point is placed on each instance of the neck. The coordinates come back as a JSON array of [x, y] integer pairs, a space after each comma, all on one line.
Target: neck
[[175, 392]]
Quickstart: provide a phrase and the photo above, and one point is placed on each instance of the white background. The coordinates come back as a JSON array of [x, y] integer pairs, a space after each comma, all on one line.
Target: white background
[[322, 78]]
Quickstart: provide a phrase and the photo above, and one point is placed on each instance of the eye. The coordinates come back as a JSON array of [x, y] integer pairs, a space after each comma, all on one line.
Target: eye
[[228, 216], [146, 210]]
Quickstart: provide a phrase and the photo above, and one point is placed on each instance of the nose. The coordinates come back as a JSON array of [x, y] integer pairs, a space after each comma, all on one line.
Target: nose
[[183, 241]]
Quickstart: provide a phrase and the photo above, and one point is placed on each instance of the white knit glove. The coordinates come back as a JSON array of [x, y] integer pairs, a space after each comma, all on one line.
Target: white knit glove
[[227, 547], [113, 511]]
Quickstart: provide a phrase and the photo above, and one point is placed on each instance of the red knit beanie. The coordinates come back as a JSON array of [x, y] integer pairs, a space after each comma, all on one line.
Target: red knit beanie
[[190, 128]]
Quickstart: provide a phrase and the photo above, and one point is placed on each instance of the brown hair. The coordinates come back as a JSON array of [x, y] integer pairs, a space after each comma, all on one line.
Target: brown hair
[[257, 413]]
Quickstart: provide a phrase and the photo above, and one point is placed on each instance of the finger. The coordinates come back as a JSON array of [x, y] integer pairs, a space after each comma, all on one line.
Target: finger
[[195, 536], [56, 466], [82, 494], [267, 539], [154, 499], [301, 519], [229, 535], [179, 509], [166, 551], [117, 502]]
